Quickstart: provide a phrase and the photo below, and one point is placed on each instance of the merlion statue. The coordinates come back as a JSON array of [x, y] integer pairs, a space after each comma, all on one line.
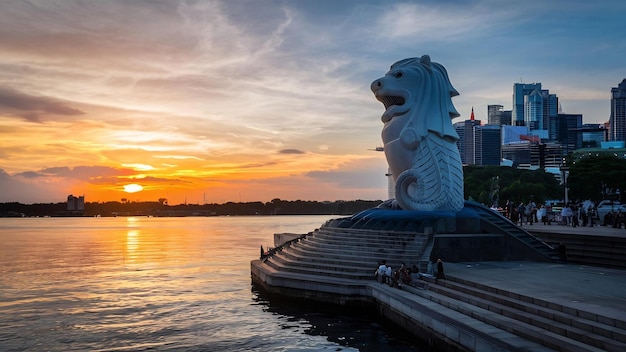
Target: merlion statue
[[419, 140]]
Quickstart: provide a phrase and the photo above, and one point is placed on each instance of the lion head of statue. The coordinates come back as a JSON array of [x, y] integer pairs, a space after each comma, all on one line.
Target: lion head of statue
[[418, 92]]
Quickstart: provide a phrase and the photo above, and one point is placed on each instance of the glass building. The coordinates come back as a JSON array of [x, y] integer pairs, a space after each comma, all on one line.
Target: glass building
[[618, 112], [520, 91], [487, 145], [569, 132]]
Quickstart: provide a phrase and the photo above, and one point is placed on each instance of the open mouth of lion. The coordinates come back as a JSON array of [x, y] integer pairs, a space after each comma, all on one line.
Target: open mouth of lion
[[391, 100]]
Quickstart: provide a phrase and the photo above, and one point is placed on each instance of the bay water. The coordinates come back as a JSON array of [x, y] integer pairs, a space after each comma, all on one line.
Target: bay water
[[163, 284]]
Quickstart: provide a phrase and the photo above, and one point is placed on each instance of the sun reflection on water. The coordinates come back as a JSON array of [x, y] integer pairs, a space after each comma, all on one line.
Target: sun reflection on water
[[132, 243]]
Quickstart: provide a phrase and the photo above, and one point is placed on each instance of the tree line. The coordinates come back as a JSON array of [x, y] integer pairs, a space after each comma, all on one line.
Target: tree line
[[592, 177], [160, 208]]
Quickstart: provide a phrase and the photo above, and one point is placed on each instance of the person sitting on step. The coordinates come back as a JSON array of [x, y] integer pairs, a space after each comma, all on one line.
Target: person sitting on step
[[389, 276], [381, 272]]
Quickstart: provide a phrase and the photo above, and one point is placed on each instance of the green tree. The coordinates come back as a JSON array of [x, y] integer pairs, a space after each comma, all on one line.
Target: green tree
[[589, 177], [514, 184]]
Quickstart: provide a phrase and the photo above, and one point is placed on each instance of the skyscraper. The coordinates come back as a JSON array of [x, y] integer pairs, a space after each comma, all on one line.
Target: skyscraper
[[569, 135], [487, 145], [550, 113], [618, 112], [465, 130], [535, 108], [520, 91], [494, 114]]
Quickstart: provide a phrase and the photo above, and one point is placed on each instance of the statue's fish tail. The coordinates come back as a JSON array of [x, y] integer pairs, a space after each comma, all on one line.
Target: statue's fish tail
[[434, 181]]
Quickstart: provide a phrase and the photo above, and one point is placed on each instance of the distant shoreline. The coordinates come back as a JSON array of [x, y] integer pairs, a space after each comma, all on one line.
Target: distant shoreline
[[156, 209]]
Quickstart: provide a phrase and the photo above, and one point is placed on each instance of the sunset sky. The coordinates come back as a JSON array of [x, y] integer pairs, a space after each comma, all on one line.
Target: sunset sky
[[217, 101]]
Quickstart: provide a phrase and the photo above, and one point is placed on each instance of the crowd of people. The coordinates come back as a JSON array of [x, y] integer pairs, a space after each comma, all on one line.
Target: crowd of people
[[405, 275], [573, 214]]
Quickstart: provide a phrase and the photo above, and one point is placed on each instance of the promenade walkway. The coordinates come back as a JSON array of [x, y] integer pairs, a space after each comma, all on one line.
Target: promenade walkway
[[579, 230], [596, 289]]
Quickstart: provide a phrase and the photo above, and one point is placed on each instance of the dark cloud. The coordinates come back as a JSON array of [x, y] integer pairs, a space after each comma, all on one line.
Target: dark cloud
[[78, 172], [291, 151], [255, 165], [29, 174], [33, 108], [19, 188]]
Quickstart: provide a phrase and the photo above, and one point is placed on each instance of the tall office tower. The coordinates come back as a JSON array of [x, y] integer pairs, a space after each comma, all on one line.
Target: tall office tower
[[618, 112], [505, 118], [536, 108], [465, 130], [569, 135], [550, 112], [494, 114], [533, 110], [487, 145], [520, 91]]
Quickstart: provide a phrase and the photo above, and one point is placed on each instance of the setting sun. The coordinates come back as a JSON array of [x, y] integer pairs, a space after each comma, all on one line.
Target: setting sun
[[132, 188]]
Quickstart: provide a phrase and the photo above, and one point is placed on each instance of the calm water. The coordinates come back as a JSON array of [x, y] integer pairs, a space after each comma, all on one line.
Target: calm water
[[176, 284]]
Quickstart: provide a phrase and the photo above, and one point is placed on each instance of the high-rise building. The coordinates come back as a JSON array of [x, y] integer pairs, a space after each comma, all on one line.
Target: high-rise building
[[487, 145], [536, 108], [494, 114], [569, 135], [533, 110], [618, 112], [520, 91], [75, 203], [465, 130], [550, 113], [505, 118]]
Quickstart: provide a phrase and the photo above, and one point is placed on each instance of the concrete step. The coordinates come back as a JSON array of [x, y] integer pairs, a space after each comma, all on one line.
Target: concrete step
[[353, 247], [393, 258], [527, 331], [553, 320], [596, 250], [377, 241], [322, 269], [366, 232], [468, 328], [592, 322], [281, 264], [391, 235], [369, 251], [354, 260]]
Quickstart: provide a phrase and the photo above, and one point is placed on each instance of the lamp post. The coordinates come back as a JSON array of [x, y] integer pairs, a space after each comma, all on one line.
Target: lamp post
[[564, 174]]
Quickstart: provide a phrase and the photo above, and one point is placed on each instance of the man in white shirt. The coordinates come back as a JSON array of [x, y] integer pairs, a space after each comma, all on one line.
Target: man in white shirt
[[381, 272]]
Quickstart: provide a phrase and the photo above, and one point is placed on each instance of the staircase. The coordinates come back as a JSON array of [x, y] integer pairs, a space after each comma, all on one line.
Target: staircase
[[349, 253], [496, 223], [340, 263], [549, 324]]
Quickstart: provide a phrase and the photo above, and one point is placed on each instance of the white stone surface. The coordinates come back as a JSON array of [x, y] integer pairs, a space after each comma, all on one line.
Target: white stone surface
[[418, 136]]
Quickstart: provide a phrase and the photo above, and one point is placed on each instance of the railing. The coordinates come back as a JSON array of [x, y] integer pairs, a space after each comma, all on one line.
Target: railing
[[272, 251]]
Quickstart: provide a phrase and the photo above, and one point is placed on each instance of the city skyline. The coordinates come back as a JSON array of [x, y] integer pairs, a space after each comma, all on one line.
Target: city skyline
[[217, 101]]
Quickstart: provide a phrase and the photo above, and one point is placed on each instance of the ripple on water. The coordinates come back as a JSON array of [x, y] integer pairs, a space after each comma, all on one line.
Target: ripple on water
[[159, 284]]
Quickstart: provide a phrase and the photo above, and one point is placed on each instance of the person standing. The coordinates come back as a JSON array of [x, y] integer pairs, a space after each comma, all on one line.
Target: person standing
[[521, 209], [440, 272]]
